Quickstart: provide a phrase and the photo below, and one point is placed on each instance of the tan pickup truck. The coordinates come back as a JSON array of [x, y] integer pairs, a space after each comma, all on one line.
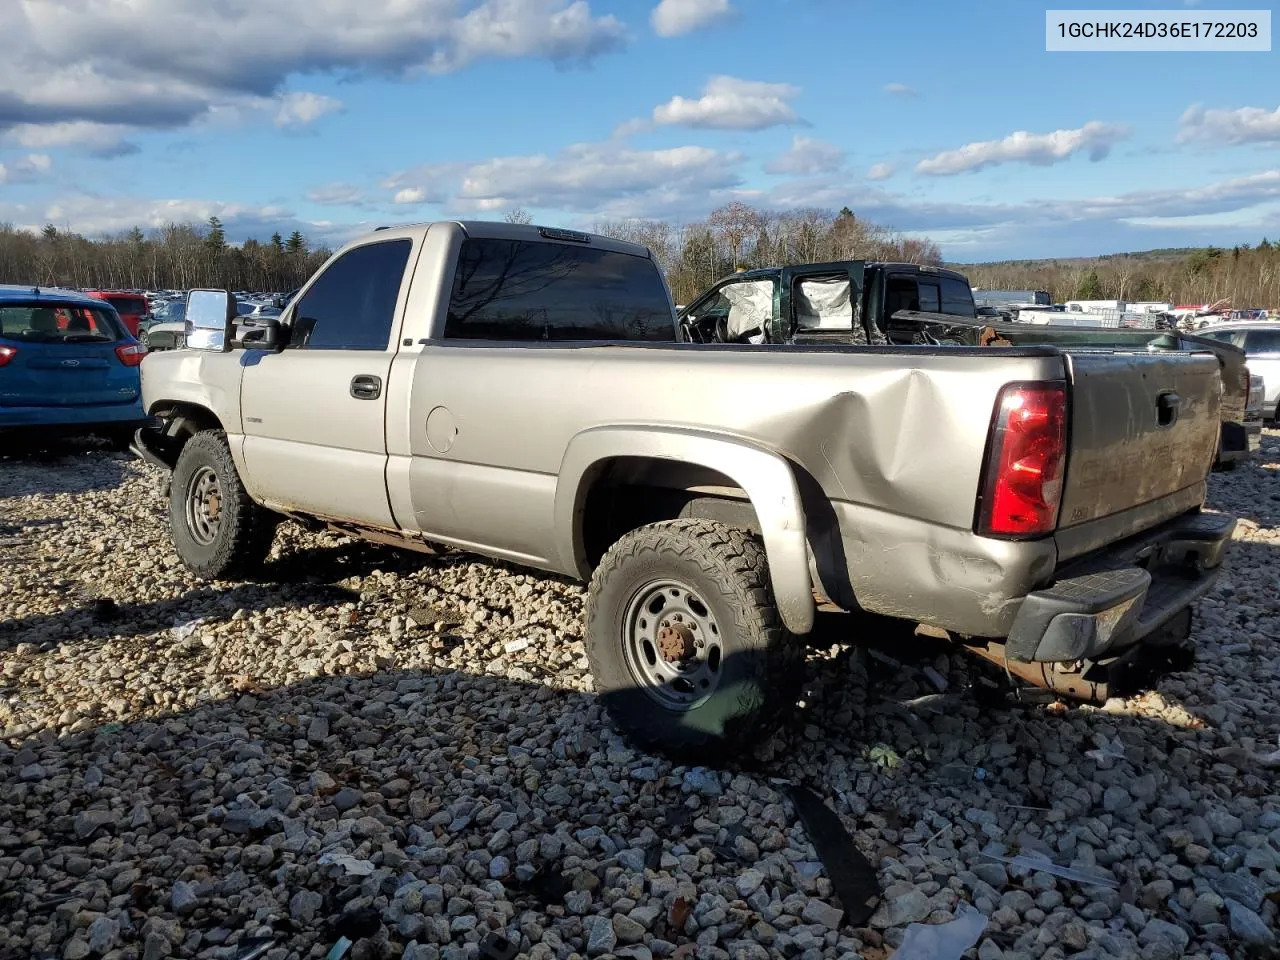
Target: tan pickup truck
[[520, 392]]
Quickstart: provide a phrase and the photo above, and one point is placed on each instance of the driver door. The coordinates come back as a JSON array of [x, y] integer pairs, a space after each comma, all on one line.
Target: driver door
[[315, 412]]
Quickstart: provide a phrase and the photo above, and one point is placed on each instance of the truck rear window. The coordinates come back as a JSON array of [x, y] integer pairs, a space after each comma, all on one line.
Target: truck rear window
[[132, 306], [522, 290]]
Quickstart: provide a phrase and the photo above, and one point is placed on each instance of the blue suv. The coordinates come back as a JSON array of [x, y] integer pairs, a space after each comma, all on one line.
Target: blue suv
[[67, 365]]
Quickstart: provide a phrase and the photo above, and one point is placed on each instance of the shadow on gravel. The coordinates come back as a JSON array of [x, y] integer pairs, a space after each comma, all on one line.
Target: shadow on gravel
[[278, 813], [101, 618], [353, 558]]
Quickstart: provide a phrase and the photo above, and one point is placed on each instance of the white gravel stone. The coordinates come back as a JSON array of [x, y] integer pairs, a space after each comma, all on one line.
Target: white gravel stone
[[417, 737]]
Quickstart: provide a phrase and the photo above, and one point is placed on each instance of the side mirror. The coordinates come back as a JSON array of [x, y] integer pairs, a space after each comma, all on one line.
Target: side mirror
[[263, 335], [210, 320]]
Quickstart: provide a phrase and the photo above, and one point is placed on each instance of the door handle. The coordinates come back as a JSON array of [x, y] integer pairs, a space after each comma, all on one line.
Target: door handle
[[366, 387], [1167, 408]]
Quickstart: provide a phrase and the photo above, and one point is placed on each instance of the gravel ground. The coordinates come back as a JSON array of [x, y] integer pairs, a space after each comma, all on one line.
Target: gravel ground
[[406, 751]]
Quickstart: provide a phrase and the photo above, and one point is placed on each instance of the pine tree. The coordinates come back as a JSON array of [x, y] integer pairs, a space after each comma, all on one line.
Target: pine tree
[[1090, 287], [295, 244], [276, 242], [217, 238]]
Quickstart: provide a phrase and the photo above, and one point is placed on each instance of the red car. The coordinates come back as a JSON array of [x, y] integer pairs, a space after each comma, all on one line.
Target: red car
[[132, 307]]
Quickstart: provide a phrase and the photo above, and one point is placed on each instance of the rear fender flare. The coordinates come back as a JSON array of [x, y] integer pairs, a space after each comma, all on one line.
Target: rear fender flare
[[766, 477]]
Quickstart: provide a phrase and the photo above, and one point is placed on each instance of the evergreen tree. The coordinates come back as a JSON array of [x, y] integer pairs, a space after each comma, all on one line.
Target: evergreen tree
[[296, 244], [217, 238]]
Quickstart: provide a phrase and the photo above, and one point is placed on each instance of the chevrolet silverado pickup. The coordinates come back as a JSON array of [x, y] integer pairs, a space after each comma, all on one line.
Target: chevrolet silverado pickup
[[522, 392]]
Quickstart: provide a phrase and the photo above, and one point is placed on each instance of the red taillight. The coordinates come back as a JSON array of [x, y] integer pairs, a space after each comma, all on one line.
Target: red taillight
[[131, 354], [7, 354], [1022, 485]]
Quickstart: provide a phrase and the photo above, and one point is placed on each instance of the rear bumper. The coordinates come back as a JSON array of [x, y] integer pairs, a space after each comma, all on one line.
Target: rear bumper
[[1112, 600], [116, 415]]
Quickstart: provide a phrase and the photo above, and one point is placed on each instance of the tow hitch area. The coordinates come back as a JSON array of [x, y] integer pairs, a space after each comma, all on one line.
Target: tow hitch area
[[1164, 651]]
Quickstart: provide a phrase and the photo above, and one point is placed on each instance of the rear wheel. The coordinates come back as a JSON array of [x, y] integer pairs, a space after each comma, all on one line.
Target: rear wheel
[[217, 530], [684, 640]]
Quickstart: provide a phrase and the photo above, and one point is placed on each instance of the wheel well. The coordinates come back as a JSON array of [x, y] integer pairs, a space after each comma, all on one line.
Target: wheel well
[[182, 421], [625, 493]]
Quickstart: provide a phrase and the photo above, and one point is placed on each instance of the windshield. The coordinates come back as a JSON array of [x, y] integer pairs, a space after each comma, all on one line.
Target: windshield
[[173, 311], [55, 323]]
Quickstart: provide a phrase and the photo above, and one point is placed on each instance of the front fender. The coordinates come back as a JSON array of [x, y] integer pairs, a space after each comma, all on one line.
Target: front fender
[[766, 477], [195, 378]]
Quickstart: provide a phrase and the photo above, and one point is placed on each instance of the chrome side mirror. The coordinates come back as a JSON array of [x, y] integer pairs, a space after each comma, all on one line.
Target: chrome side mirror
[[210, 320]]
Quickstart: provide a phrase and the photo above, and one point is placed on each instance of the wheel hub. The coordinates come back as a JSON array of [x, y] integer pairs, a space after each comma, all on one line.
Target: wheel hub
[[672, 644], [675, 642]]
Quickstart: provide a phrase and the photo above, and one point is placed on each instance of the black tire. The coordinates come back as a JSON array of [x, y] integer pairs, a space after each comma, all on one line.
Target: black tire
[[237, 539], [760, 662]]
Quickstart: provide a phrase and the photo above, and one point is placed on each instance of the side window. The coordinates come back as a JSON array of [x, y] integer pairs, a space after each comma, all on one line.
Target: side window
[[1262, 341], [1233, 337], [352, 304], [901, 293], [957, 299], [930, 299]]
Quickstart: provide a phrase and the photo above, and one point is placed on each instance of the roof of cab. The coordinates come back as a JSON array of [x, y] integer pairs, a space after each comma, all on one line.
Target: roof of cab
[[501, 230], [15, 293]]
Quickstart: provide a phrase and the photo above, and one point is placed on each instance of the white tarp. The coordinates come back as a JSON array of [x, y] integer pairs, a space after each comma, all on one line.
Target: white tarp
[[750, 307], [823, 304]]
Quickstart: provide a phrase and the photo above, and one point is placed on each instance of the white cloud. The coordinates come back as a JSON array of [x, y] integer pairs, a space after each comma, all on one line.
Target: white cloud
[[27, 168], [98, 139], [301, 109], [728, 103], [671, 18], [900, 90], [880, 171], [1243, 125], [336, 194], [807, 157], [603, 179], [1040, 149], [165, 63]]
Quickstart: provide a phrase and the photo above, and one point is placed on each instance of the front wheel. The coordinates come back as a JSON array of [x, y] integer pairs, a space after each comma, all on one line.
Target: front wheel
[[217, 530], [684, 640]]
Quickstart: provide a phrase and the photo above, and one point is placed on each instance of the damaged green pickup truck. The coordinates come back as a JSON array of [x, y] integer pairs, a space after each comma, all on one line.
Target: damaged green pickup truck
[[872, 302]]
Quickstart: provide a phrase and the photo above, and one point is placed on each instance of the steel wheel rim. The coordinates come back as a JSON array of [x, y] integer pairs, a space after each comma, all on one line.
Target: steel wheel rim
[[204, 506], [683, 682]]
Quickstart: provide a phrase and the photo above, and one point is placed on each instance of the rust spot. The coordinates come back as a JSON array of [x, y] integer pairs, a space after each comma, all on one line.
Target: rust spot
[[675, 642]]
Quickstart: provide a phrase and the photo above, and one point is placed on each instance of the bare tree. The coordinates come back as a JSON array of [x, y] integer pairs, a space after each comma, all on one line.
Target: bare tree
[[518, 215], [734, 223]]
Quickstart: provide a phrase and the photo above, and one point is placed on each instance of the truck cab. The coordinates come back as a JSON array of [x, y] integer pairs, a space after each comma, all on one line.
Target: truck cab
[[848, 301]]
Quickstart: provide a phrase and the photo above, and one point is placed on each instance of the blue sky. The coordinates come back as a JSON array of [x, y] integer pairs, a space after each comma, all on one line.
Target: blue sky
[[331, 116]]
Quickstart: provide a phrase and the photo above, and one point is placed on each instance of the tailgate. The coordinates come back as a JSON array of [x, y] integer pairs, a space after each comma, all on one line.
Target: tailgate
[[1143, 426]]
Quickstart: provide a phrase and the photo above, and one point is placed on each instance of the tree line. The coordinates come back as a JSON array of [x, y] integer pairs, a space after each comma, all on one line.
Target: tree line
[[693, 256], [1248, 275], [177, 256]]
